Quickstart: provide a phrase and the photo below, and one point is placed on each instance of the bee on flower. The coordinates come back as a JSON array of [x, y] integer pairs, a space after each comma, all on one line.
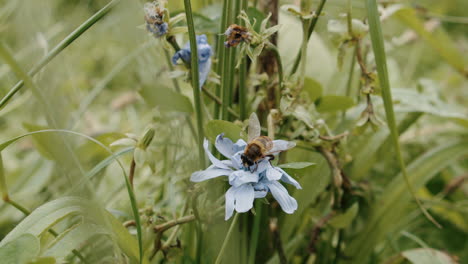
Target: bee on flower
[[248, 179], [251, 42]]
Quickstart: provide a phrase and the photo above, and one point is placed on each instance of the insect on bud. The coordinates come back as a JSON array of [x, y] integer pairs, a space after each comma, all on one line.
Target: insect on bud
[[235, 34]]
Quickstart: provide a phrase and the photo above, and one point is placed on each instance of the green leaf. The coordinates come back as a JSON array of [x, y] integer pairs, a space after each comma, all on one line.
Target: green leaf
[[345, 219], [438, 40], [333, 103], [313, 88], [45, 143], [20, 250], [73, 238], [381, 63], [166, 99], [296, 165], [230, 130], [43, 260], [3, 184], [428, 256], [389, 210]]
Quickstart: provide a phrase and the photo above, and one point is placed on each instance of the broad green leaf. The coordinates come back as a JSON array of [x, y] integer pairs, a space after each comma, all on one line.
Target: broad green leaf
[[44, 260], [438, 40], [313, 180], [313, 88], [73, 238], [21, 250], [296, 165], [3, 184], [345, 219], [230, 130], [44, 217], [333, 103], [131, 194], [407, 100], [428, 256], [166, 99], [46, 143], [392, 206]]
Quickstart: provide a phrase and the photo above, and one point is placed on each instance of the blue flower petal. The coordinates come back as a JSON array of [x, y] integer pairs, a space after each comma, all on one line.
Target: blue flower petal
[[212, 158], [236, 160], [224, 145], [287, 203], [239, 145], [210, 173], [261, 190], [288, 179], [239, 198], [244, 196], [240, 177], [229, 204]]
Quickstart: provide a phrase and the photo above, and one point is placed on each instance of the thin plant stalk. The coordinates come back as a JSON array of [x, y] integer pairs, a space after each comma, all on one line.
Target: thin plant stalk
[[243, 77], [226, 239], [313, 22], [255, 233], [381, 63], [221, 55], [195, 80], [61, 46]]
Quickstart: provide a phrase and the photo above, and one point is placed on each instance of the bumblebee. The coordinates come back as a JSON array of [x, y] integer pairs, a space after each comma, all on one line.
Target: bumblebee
[[260, 147], [235, 34]]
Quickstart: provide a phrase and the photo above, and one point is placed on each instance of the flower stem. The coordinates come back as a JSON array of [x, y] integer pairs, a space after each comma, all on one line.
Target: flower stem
[[221, 55], [226, 240], [280, 72], [255, 232], [195, 82], [243, 76], [313, 22]]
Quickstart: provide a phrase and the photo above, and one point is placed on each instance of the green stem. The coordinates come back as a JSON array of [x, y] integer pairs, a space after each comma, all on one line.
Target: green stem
[[280, 73], [305, 40], [255, 233], [349, 82], [227, 77], [218, 101], [61, 46], [226, 239], [243, 77], [221, 55], [381, 63], [195, 81], [313, 22]]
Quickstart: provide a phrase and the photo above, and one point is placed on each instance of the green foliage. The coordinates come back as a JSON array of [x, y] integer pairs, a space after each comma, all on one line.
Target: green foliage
[[81, 82]]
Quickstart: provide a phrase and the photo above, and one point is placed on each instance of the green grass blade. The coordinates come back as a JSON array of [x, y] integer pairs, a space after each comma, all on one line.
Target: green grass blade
[[381, 62], [393, 205], [61, 46], [131, 194], [195, 80]]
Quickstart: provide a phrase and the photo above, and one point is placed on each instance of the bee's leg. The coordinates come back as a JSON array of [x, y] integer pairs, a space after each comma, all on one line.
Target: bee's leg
[[271, 157]]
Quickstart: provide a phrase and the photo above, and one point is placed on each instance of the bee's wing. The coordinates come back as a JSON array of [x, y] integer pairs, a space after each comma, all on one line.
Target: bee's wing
[[254, 127], [281, 145]]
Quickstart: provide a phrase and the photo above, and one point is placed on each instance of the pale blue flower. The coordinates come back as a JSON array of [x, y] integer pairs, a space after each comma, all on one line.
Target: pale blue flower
[[246, 185], [204, 57]]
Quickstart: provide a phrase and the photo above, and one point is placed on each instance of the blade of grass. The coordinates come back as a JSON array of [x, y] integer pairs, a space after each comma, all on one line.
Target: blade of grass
[[381, 62], [131, 194], [195, 81], [226, 239], [61, 46]]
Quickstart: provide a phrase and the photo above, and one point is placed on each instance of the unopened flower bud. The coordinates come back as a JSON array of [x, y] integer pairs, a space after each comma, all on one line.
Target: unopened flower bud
[[147, 138]]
